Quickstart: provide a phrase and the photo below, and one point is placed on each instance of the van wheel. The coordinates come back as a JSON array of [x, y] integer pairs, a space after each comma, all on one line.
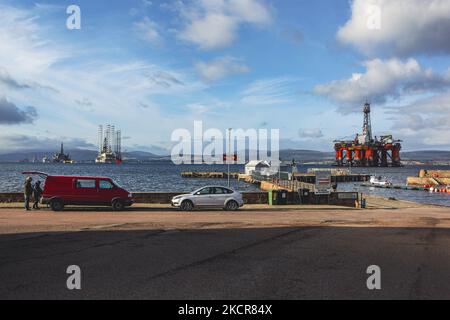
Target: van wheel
[[187, 205], [232, 206], [118, 205], [57, 205]]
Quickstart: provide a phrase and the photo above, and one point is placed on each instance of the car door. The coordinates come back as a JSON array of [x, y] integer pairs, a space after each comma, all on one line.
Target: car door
[[217, 197], [201, 197]]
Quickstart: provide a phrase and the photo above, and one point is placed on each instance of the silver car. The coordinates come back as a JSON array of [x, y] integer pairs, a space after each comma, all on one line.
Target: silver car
[[218, 197]]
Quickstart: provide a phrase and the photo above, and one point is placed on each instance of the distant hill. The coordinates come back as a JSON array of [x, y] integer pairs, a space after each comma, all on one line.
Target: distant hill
[[286, 155], [318, 156], [426, 155], [78, 155], [306, 155]]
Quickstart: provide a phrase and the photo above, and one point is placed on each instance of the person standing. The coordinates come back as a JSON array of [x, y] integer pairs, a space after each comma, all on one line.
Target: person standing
[[28, 191], [37, 192]]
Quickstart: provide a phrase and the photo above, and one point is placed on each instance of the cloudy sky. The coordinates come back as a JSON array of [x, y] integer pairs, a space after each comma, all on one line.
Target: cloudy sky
[[149, 67]]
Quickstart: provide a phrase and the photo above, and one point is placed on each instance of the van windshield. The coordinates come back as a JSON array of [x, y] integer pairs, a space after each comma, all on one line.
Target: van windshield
[[116, 184]]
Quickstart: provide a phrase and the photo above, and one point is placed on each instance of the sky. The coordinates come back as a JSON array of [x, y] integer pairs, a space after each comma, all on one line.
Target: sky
[[150, 67]]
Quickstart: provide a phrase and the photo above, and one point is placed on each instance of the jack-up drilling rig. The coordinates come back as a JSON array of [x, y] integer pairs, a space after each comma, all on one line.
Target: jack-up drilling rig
[[109, 145], [366, 151]]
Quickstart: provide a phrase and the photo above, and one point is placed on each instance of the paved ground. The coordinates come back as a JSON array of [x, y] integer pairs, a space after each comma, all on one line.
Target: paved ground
[[259, 253]]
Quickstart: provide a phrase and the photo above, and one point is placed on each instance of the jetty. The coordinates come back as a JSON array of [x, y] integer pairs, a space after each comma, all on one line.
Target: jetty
[[335, 177], [397, 187], [276, 184], [209, 175]]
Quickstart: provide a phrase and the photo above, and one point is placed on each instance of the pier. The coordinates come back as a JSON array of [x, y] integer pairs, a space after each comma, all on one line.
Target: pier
[[209, 175], [310, 178], [397, 187], [335, 177]]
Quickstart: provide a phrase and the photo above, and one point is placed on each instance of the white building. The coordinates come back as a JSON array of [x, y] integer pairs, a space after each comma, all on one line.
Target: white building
[[258, 166]]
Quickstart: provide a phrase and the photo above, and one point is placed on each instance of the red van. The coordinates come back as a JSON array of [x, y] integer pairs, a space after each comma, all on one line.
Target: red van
[[77, 190]]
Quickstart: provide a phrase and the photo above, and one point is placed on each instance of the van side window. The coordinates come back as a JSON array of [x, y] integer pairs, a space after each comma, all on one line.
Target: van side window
[[104, 184], [86, 184]]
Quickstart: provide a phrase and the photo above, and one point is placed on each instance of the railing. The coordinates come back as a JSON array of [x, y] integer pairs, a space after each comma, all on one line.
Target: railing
[[290, 185], [295, 185]]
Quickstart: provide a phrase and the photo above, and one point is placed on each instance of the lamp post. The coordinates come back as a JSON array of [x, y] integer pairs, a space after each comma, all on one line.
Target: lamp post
[[229, 153]]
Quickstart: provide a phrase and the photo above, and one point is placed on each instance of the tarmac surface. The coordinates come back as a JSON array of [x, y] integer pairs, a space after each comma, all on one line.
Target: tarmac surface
[[256, 253]]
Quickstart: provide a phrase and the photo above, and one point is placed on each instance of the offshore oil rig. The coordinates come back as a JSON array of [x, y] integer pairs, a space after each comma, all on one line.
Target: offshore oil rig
[[366, 151], [109, 145], [61, 157]]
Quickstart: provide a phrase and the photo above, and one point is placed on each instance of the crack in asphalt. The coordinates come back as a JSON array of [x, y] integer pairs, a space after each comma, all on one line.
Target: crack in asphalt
[[227, 253]]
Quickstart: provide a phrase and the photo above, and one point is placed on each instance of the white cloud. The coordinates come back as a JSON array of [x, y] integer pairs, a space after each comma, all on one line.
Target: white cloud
[[31, 62], [198, 108], [220, 68], [20, 45], [212, 24], [211, 32], [425, 122], [147, 3], [278, 91], [382, 80], [314, 133], [407, 27], [252, 11], [148, 31]]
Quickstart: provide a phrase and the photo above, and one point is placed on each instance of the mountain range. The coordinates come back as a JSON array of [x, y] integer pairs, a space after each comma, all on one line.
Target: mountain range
[[79, 155], [82, 155]]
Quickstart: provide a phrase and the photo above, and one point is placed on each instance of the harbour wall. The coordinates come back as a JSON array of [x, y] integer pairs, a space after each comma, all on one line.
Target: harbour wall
[[348, 199], [148, 197]]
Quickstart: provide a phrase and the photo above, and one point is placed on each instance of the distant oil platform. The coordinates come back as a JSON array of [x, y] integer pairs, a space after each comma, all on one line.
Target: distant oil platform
[[109, 145], [60, 157], [366, 151]]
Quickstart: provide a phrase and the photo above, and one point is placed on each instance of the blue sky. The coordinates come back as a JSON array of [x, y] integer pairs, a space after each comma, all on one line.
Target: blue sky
[[150, 67]]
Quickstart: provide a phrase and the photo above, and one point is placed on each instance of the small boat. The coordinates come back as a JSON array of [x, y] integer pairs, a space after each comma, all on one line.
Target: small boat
[[380, 181]]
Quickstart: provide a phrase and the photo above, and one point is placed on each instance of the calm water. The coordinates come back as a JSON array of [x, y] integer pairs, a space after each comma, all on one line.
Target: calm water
[[398, 177], [156, 176], [164, 176]]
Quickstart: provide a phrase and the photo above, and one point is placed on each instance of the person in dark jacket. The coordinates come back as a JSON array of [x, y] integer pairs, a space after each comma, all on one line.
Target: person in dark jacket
[[37, 192], [28, 191]]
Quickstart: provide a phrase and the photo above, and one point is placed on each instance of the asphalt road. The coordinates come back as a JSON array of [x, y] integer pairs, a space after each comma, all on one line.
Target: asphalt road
[[324, 261]]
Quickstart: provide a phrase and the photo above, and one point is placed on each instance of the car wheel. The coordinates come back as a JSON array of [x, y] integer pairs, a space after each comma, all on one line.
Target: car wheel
[[232, 206], [187, 205], [118, 205], [57, 205]]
